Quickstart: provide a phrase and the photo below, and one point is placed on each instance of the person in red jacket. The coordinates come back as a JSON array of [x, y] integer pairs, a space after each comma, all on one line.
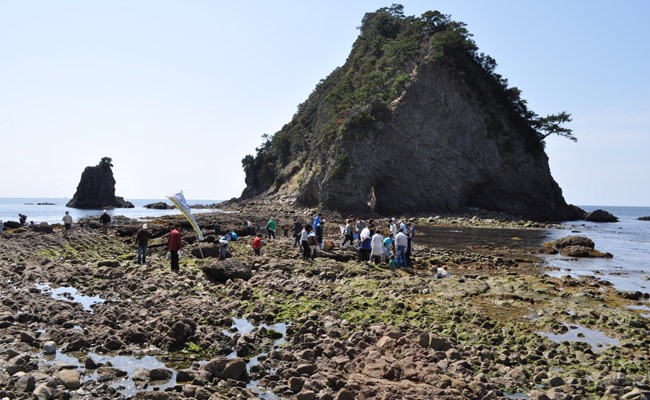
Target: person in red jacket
[[175, 244], [257, 244]]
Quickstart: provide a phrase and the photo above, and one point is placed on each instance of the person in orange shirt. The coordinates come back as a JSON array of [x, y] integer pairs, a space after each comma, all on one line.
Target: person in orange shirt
[[175, 244]]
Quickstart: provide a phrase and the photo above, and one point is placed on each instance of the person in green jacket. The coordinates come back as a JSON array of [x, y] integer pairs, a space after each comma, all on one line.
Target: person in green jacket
[[270, 228]]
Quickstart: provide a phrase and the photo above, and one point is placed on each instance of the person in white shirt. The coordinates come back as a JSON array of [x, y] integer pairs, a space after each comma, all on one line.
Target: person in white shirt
[[67, 221], [365, 234], [401, 242], [392, 226], [377, 248]]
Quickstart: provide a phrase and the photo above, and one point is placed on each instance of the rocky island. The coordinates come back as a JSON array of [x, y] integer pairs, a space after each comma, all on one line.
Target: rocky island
[[96, 189], [416, 120]]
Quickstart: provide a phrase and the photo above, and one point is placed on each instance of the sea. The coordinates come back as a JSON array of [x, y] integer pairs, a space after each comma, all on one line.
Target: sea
[[51, 210], [628, 240]]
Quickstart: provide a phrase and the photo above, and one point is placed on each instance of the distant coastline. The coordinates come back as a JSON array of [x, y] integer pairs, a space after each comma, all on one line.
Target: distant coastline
[[51, 210]]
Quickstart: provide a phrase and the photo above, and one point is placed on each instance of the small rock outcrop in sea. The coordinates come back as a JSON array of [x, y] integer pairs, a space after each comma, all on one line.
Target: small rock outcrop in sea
[[413, 122], [647, 218], [600, 216], [159, 206], [96, 188], [574, 246]]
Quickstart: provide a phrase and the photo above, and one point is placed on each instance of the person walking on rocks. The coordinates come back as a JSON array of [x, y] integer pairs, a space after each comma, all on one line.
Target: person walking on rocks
[[257, 244], [270, 228], [410, 233], [348, 232], [377, 248], [304, 242], [319, 231], [401, 242], [142, 241], [105, 219], [67, 221], [175, 244], [295, 230], [223, 245], [22, 218]]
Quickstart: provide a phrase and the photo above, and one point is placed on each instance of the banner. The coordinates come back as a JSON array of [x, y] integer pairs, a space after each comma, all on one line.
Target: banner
[[178, 200]]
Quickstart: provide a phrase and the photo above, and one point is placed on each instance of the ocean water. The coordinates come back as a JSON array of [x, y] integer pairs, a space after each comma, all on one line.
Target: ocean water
[[52, 213], [627, 240]]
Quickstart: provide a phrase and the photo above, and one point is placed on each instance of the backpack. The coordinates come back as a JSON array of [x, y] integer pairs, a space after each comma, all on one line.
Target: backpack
[[233, 236]]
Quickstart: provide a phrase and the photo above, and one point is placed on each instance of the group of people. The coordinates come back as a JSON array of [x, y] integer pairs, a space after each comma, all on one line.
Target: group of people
[[395, 247], [374, 247]]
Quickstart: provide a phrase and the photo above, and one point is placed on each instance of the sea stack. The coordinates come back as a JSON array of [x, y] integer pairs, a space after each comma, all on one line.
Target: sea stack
[[96, 188], [416, 121]]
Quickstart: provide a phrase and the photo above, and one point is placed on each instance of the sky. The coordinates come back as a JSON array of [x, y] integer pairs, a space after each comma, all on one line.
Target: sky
[[178, 92]]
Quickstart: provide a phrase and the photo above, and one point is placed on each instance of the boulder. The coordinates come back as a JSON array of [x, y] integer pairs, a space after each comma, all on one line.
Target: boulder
[[43, 227], [646, 218], [205, 251], [600, 216], [583, 252], [572, 241], [70, 378], [227, 269]]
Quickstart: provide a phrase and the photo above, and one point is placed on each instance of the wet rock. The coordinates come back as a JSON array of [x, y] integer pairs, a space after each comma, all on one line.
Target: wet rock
[[20, 363], [234, 369], [631, 295], [344, 394], [538, 395], [306, 395], [572, 241], [227, 269], [160, 374], [89, 363], [49, 347], [600, 216], [159, 206], [582, 251], [296, 384], [25, 383], [113, 343], [71, 379], [28, 338], [205, 251], [43, 392]]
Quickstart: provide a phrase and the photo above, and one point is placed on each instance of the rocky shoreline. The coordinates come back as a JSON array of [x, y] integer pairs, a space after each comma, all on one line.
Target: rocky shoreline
[[77, 310]]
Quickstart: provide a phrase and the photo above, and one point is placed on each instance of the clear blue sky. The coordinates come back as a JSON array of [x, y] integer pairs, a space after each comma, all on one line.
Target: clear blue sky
[[178, 92]]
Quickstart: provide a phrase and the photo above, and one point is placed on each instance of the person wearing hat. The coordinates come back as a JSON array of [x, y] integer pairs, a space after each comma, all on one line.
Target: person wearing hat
[[105, 219], [142, 240], [67, 221]]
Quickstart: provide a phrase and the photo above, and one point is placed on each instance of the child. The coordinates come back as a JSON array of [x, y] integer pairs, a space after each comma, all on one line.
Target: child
[[257, 244], [392, 264]]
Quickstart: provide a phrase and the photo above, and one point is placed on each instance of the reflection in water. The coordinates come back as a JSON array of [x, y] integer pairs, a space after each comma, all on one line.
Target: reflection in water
[[68, 293], [596, 339]]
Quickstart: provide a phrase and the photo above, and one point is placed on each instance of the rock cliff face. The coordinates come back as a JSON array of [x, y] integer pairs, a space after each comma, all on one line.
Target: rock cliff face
[[96, 188], [438, 132]]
